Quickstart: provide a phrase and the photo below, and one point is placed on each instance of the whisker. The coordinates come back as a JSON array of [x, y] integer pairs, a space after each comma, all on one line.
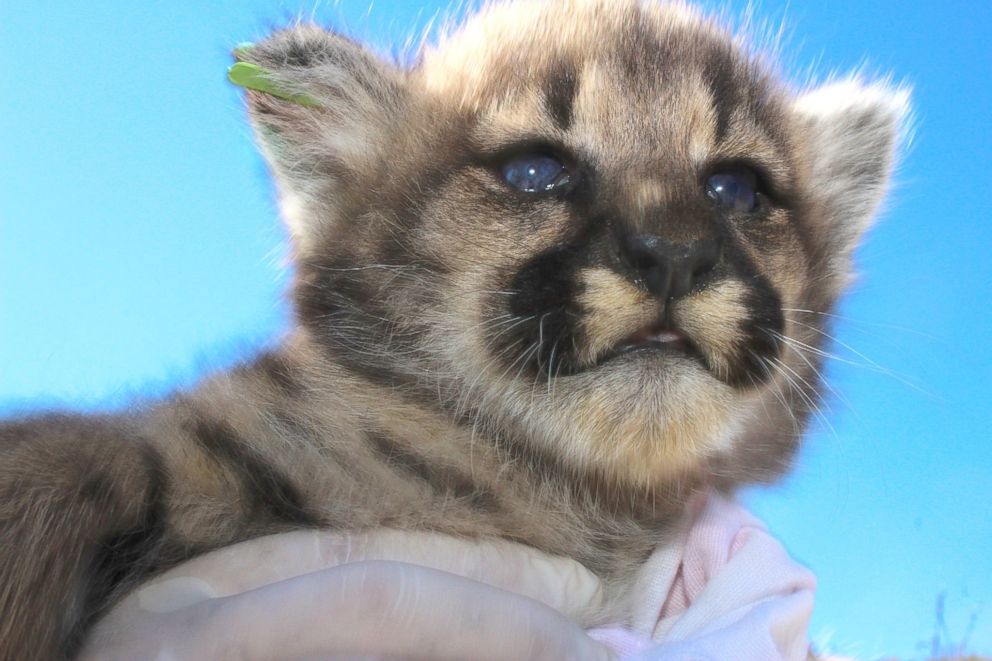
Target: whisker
[[870, 364], [776, 390], [859, 322], [812, 406], [800, 352]]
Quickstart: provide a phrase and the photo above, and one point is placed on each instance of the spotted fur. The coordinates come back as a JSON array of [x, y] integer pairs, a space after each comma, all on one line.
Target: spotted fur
[[462, 359]]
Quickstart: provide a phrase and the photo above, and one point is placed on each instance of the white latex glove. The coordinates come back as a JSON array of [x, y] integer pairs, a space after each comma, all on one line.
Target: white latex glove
[[381, 594]]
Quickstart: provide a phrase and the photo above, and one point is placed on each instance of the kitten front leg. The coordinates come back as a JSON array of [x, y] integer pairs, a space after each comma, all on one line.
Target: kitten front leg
[[90, 506], [82, 513]]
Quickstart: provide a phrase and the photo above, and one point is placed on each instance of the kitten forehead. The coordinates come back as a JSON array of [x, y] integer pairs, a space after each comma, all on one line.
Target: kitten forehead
[[508, 45], [607, 70]]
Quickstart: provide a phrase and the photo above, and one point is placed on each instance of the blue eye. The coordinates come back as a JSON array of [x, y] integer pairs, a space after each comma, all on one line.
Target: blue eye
[[734, 190], [535, 173]]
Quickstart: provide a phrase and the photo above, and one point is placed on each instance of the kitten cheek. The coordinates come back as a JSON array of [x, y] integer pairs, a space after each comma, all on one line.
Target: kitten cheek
[[735, 330], [711, 318], [612, 306]]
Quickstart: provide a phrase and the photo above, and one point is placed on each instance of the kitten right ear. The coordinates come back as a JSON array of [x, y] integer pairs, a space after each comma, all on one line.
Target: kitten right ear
[[327, 123], [852, 132]]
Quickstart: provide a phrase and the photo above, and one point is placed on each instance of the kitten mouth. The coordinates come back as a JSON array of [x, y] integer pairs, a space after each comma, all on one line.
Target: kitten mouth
[[657, 337], [654, 337]]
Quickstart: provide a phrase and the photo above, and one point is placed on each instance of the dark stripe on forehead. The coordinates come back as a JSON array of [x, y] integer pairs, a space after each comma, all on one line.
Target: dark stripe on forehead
[[562, 88], [722, 75]]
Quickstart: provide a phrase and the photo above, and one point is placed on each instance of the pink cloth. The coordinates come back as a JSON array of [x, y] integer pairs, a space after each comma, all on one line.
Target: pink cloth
[[723, 589]]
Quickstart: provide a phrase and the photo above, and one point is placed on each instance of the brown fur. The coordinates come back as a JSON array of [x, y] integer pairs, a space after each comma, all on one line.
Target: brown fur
[[456, 365]]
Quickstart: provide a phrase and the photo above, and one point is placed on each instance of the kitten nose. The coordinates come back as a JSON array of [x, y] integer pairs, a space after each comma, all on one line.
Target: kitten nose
[[669, 270]]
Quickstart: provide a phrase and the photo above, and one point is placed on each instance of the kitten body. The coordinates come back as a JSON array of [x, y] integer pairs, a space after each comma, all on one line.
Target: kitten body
[[570, 268]]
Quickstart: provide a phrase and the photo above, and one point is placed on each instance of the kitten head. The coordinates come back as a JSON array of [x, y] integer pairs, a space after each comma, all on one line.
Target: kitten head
[[600, 227]]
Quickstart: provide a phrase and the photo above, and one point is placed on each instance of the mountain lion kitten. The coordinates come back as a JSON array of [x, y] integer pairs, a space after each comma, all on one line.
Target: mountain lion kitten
[[567, 269]]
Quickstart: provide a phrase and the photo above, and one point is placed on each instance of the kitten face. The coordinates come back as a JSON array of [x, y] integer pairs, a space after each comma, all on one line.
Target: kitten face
[[589, 225]]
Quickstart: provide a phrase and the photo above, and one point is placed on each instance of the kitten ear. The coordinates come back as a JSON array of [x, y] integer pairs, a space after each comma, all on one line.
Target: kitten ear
[[852, 133], [323, 125]]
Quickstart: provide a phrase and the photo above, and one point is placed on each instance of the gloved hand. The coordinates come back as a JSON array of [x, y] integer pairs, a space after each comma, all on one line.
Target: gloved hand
[[380, 594], [719, 588]]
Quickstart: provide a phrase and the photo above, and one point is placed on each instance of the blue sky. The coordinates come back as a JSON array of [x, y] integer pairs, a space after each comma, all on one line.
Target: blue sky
[[139, 247]]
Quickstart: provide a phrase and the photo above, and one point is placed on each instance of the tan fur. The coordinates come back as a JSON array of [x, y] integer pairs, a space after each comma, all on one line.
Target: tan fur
[[613, 307]]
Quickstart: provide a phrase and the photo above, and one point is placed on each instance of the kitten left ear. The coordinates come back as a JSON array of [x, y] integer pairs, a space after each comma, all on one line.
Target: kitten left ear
[[852, 133], [323, 108]]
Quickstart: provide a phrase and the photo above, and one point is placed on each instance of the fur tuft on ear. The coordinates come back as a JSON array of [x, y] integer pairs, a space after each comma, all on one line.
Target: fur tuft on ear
[[315, 149], [852, 132]]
